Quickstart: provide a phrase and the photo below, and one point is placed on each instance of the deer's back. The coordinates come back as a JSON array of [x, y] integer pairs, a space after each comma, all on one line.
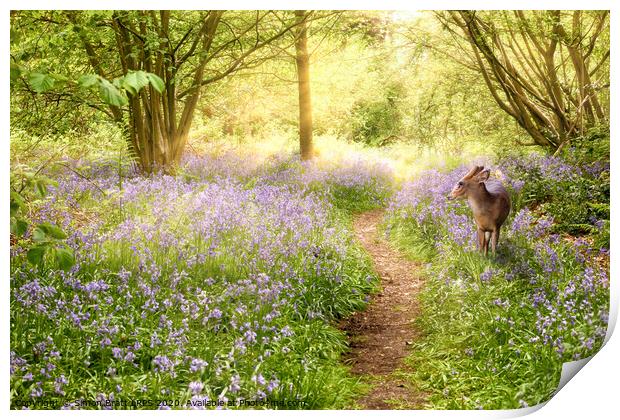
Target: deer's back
[[492, 213]]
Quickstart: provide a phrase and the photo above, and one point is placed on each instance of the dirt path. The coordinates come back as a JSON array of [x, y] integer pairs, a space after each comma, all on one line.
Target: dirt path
[[380, 336]]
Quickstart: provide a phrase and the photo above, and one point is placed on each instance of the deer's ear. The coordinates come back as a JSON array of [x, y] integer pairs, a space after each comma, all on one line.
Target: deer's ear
[[484, 175], [473, 172]]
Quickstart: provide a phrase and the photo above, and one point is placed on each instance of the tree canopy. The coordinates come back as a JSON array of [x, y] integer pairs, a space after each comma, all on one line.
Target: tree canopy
[[544, 68], [439, 79]]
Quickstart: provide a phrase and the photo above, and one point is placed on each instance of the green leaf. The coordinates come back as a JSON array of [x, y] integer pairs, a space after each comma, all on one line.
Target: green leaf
[[41, 82], [35, 255], [47, 181], [52, 230], [88, 80], [15, 36], [38, 234], [18, 226], [134, 81], [14, 208], [40, 187], [156, 82], [130, 89], [117, 82], [17, 201], [110, 94], [64, 258], [16, 71]]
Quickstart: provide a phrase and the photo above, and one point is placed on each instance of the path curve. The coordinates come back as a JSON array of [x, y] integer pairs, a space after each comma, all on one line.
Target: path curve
[[379, 337]]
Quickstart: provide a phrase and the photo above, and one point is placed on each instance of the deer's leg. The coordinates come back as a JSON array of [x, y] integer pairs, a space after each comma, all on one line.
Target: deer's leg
[[480, 240], [494, 239], [486, 242]]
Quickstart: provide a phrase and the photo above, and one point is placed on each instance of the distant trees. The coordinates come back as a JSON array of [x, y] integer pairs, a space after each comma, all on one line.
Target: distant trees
[[546, 69]]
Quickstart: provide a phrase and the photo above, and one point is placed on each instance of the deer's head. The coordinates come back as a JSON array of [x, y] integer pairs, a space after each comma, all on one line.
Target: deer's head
[[470, 183]]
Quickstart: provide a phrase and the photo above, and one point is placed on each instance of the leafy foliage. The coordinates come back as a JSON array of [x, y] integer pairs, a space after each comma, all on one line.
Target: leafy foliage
[[41, 82], [46, 239], [576, 195], [376, 123]]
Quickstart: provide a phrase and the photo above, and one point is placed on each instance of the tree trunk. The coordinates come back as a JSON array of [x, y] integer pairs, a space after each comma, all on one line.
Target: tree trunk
[[303, 78], [158, 123], [157, 133]]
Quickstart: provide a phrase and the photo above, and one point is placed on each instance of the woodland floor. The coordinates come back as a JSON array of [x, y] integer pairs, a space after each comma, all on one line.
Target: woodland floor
[[381, 335]]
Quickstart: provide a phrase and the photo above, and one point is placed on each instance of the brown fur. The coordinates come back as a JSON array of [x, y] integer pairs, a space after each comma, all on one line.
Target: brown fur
[[490, 208]]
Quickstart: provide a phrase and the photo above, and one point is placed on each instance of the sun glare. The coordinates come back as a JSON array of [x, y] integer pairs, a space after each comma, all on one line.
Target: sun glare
[[404, 15]]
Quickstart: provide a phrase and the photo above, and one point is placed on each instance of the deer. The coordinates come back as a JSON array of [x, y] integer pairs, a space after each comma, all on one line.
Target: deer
[[489, 202]]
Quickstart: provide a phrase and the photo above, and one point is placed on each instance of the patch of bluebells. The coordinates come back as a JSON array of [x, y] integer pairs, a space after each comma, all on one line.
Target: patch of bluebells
[[548, 167], [575, 194], [423, 203], [191, 282], [367, 182]]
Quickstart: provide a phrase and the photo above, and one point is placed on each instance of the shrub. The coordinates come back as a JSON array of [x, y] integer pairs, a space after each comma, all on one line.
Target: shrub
[[375, 122], [575, 196]]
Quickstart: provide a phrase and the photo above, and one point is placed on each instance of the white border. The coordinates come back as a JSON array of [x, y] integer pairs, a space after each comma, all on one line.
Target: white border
[[314, 4], [591, 394]]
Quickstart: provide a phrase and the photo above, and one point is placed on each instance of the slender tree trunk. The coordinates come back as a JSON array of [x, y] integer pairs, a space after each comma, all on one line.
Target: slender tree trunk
[[303, 78]]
